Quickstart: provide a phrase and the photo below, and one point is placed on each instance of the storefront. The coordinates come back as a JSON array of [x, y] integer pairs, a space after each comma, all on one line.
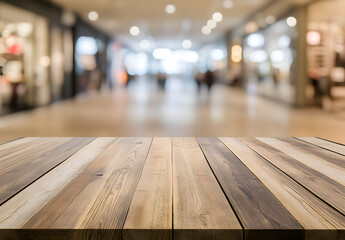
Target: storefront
[[24, 59], [268, 58], [326, 53]]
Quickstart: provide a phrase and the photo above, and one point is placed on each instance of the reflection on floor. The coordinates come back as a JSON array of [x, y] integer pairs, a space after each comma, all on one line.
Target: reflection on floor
[[143, 110]]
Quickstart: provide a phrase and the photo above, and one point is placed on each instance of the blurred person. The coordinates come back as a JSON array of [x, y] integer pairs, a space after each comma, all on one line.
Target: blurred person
[[161, 79], [199, 79], [209, 79]]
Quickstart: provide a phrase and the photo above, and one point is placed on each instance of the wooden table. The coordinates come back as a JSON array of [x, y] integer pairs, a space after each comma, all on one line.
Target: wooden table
[[172, 188]]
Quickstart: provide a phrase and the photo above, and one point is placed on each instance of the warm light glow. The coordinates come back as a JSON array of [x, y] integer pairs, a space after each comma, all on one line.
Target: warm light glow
[[134, 31], [211, 24], [170, 9], [186, 44], [93, 16], [291, 21], [217, 17], [206, 30], [236, 53], [251, 27], [228, 4], [45, 61], [313, 38]]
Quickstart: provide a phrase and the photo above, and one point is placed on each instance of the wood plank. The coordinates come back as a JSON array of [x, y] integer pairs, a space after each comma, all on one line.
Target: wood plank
[[329, 165], [150, 213], [331, 146], [19, 209], [99, 198], [200, 209], [19, 144], [322, 186], [20, 169], [261, 214], [319, 220], [316, 151]]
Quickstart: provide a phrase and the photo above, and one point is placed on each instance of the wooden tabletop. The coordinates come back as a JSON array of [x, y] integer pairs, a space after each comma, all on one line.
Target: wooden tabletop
[[172, 188]]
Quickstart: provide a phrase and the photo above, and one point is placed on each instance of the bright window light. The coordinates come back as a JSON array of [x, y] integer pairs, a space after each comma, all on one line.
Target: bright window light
[[86, 46], [256, 40], [162, 53], [186, 44], [258, 56], [284, 41], [217, 54]]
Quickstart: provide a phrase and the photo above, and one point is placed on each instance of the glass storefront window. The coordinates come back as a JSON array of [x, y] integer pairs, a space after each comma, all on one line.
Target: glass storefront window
[[326, 51], [23, 59], [268, 56]]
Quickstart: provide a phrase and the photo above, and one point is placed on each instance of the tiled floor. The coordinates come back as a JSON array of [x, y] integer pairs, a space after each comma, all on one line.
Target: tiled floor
[[142, 110]]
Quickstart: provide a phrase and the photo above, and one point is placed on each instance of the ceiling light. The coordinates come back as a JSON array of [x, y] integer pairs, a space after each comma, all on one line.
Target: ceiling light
[[291, 21], [270, 19], [206, 30], [228, 4], [186, 44], [211, 24], [170, 9], [93, 16], [134, 31], [217, 17], [145, 44]]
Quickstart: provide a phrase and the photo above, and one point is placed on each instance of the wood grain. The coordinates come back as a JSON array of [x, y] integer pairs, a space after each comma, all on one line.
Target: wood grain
[[163, 188], [99, 198], [18, 145], [150, 213], [335, 147], [330, 164], [200, 209], [325, 188], [24, 205], [319, 220], [19, 169], [261, 214]]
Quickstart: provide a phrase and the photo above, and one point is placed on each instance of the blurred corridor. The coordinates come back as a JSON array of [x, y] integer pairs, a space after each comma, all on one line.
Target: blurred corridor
[[143, 110], [190, 68]]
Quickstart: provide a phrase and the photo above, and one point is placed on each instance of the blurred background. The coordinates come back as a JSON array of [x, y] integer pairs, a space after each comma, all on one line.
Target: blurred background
[[172, 68]]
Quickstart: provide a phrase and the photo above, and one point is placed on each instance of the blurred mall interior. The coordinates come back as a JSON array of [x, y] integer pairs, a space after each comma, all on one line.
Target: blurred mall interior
[[166, 68]]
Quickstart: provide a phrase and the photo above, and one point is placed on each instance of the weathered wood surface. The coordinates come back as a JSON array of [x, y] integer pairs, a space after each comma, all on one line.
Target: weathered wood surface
[[200, 209], [242, 187], [172, 188]]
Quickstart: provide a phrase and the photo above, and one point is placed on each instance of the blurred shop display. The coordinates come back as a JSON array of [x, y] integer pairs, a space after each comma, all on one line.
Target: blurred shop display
[[90, 63], [23, 59], [268, 56], [326, 53]]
